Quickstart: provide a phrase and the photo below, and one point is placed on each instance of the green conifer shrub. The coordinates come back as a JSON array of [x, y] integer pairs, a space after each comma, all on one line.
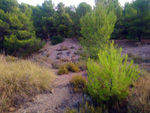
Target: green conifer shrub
[[110, 76], [57, 39]]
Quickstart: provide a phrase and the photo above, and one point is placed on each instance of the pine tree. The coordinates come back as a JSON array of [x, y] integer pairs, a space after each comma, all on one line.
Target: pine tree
[[96, 29]]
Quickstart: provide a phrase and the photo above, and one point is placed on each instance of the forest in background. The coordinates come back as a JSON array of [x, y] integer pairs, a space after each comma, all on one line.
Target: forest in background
[[25, 28]]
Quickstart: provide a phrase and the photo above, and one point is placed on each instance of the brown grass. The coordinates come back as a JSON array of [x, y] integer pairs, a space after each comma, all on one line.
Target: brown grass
[[78, 83], [139, 98], [22, 79]]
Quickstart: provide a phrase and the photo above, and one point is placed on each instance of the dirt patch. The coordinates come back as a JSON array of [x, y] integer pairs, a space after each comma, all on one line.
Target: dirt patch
[[129, 47], [62, 95]]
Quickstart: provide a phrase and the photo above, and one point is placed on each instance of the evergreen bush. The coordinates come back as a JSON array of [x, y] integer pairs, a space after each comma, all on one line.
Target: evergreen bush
[[110, 76], [57, 39]]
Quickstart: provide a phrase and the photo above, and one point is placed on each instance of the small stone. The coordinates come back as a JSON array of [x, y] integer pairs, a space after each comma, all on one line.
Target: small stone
[[12, 109]]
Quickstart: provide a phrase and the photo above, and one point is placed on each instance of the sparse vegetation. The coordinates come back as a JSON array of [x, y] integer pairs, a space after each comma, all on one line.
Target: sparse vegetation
[[86, 108], [79, 83], [22, 79]]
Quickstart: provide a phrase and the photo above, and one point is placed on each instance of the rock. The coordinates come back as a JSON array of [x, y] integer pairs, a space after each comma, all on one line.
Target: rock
[[12, 109]]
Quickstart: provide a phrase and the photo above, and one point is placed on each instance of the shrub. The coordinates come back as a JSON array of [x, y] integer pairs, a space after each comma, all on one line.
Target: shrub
[[72, 67], [110, 76], [22, 79], [78, 83], [63, 70], [57, 39]]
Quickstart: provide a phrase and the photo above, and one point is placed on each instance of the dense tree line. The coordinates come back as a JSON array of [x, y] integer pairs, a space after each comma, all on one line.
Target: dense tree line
[[23, 26]]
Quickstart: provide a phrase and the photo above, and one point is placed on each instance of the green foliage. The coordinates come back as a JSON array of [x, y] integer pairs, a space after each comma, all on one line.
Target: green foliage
[[137, 19], [17, 30], [110, 76], [57, 39], [78, 83], [96, 29]]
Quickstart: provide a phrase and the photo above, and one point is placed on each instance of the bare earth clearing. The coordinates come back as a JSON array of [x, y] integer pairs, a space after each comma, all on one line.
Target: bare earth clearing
[[62, 96]]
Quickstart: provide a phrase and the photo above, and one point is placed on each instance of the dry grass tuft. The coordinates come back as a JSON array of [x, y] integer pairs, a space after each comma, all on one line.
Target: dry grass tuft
[[20, 80], [63, 70], [139, 98], [78, 83]]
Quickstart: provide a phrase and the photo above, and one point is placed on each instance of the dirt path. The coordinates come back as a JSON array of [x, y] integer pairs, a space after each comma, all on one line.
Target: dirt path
[[62, 95]]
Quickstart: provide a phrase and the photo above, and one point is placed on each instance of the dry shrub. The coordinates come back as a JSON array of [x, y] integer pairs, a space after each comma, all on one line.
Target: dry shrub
[[78, 83], [63, 70], [21, 80], [139, 98], [72, 67]]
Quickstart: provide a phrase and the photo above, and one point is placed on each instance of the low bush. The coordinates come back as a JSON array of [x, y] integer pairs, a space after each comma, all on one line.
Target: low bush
[[57, 39], [78, 83], [110, 76], [20, 80], [72, 67], [63, 70]]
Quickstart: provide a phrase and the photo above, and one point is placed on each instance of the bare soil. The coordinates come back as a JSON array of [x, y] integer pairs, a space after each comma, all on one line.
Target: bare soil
[[130, 47], [62, 95]]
